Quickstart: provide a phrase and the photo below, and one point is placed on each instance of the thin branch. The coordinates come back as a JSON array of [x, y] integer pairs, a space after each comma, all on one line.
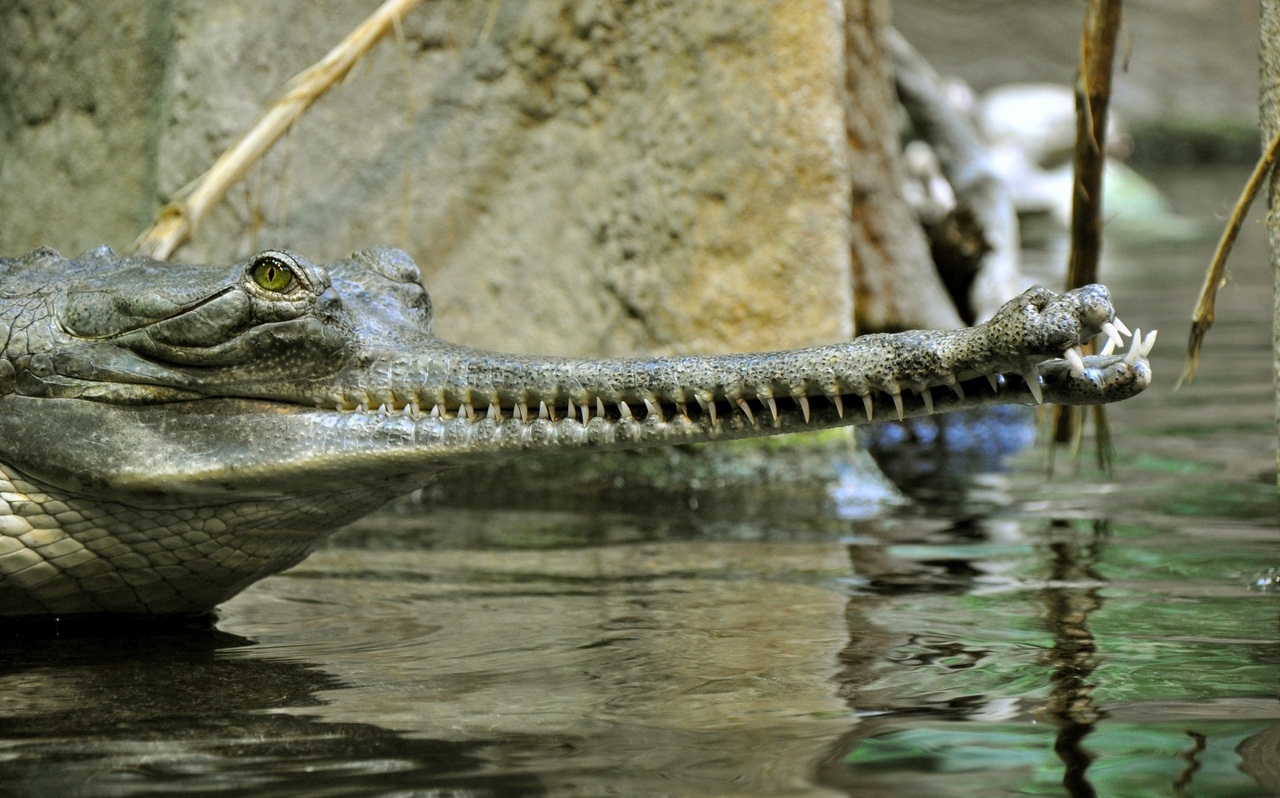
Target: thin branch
[[1093, 95], [178, 220], [1216, 276]]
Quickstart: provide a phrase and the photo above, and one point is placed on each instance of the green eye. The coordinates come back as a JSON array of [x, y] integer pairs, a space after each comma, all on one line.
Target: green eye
[[272, 275]]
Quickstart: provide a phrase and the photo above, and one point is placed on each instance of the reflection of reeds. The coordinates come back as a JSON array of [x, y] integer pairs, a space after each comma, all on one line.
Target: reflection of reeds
[[1067, 610], [178, 220]]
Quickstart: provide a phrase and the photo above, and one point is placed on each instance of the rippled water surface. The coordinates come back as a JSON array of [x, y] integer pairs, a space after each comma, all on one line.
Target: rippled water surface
[[1005, 634]]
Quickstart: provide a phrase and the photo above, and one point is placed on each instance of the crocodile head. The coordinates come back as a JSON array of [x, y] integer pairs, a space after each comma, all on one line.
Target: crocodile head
[[171, 433]]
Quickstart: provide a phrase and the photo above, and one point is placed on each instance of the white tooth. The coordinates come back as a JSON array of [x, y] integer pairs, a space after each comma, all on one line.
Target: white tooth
[[1112, 333], [414, 409], [1108, 347], [746, 408], [1032, 378], [436, 412], [995, 383], [586, 413], [1135, 350], [1076, 359], [867, 405], [623, 409], [495, 412], [959, 390], [773, 407], [683, 409], [1148, 343], [1120, 326], [838, 401], [804, 407], [542, 410], [655, 409], [600, 407], [928, 400], [569, 409], [469, 411], [522, 410], [384, 409], [711, 410], [897, 402]]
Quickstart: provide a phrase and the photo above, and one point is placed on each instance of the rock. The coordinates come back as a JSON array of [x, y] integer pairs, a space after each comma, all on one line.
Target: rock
[[576, 178]]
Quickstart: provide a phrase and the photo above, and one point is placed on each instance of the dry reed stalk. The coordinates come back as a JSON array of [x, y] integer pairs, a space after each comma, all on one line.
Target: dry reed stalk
[[179, 219], [1216, 276], [1093, 94]]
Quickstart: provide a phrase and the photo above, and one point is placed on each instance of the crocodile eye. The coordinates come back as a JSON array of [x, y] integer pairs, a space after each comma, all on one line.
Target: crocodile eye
[[272, 274]]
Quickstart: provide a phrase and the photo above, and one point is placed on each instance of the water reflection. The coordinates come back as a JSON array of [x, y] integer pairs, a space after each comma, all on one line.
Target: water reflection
[[1071, 659], [168, 711]]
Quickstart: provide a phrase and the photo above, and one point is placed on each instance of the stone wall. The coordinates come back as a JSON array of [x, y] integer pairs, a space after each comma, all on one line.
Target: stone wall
[[574, 177]]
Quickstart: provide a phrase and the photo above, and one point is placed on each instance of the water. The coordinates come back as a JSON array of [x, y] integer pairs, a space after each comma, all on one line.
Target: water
[[1006, 634]]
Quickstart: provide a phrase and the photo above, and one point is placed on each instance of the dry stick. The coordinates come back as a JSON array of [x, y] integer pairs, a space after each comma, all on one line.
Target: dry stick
[[178, 220], [1093, 93], [1216, 277]]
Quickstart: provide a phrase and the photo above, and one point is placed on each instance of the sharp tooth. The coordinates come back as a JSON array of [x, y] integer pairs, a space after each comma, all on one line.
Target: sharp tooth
[[1032, 379], [838, 401], [495, 412], [586, 412], [436, 412], [1109, 347], [542, 410], [655, 409], [600, 407], [624, 410], [773, 407], [746, 408], [1112, 333], [707, 401], [868, 406], [1120, 326], [897, 402], [413, 409], [928, 400], [522, 410], [804, 406], [1075, 357], [1135, 349], [469, 411], [995, 383], [1148, 343], [683, 409], [958, 389], [568, 409]]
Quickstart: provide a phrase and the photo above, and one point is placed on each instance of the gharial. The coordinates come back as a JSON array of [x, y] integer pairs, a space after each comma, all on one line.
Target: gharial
[[171, 433]]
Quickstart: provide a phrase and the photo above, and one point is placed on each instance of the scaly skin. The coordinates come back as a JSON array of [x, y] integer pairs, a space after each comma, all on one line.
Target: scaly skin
[[170, 434]]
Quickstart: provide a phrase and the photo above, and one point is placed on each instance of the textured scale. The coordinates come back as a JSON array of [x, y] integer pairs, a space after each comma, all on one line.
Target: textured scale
[[171, 433]]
